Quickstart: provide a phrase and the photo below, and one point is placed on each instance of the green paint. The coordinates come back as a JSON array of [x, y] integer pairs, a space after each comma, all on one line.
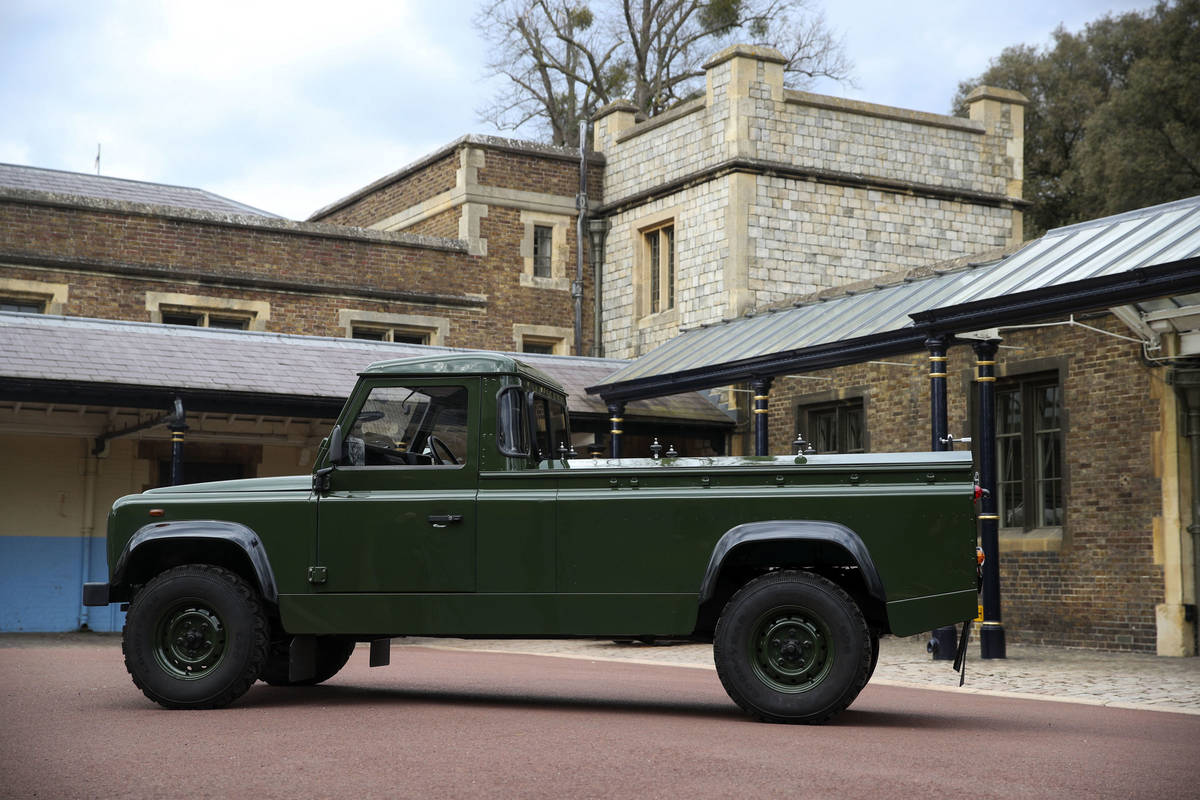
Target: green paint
[[504, 545]]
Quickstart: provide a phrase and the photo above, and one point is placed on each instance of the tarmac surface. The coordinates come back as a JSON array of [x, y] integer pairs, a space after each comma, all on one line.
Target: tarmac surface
[[1118, 680], [448, 719]]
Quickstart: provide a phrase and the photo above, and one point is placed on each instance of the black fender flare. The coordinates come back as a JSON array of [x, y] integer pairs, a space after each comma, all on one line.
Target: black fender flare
[[234, 533], [793, 531]]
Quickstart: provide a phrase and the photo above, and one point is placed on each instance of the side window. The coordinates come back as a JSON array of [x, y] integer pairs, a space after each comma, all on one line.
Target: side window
[[541, 429], [512, 433], [562, 432], [410, 426]]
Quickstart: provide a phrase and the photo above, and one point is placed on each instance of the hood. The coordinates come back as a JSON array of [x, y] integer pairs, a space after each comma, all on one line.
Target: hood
[[287, 483]]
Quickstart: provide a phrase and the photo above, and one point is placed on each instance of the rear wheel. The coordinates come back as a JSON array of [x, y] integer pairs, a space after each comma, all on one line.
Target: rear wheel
[[195, 637], [792, 647], [332, 654]]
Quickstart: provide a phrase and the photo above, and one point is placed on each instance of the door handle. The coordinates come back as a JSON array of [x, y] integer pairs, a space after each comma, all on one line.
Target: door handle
[[442, 520]]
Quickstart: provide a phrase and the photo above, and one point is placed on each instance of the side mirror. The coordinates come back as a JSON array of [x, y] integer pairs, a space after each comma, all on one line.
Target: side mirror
[[337, 451]]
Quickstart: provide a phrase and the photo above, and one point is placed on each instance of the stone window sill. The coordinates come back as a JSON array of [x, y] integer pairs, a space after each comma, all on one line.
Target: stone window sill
[[1037, 540], [534, 282]]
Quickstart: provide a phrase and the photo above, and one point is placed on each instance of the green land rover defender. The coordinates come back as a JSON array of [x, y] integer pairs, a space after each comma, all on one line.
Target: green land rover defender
[[445, 502]]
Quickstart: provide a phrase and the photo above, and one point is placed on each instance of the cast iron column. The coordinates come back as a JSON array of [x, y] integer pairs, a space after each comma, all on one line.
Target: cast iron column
[[762, 389], [616, 414], [991, 633], [937, 391], [942, 640], [177, 431]]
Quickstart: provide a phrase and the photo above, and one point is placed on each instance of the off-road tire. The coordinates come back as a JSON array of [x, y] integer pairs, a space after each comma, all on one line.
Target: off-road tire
[[195, 637], [792, 647], [332, 654]]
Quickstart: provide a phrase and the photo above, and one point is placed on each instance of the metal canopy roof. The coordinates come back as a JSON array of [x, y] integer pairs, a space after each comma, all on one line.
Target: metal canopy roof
[[1116, 260]]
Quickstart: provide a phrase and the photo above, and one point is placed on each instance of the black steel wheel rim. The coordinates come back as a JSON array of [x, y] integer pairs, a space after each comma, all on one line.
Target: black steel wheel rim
[[791, 649], [190, 640]]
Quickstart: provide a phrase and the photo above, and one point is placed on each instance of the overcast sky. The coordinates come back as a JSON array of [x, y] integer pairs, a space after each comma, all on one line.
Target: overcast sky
[[291, 105]]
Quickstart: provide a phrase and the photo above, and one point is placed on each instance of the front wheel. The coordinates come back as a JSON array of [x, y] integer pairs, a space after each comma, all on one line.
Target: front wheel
[[792, 647], [195, 637]]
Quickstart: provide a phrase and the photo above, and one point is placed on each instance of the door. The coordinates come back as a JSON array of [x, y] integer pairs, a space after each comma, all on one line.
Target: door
[[400, 513]]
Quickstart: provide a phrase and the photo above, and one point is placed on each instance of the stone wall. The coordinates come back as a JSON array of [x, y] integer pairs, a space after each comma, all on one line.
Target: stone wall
[[777, 193], [490, 192]]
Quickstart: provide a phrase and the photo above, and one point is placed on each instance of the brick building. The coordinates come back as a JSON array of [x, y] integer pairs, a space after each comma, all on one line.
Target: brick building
[[738, 201]]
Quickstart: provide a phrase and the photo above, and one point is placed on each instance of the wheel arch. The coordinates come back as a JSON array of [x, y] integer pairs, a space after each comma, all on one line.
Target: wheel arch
[[163, 545], [826, 548]]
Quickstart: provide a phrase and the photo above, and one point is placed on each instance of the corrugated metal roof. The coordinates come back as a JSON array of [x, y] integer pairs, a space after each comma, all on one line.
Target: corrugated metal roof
[[38, 347], [1061, 261], [103, 187]]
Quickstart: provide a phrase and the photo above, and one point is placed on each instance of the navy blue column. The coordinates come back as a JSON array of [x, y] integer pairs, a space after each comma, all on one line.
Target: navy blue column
[[939, 427], [991, 633], [762, 389], [616, 416]]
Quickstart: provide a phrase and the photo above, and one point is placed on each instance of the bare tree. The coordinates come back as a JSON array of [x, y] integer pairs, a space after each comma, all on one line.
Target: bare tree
[[563, 60]]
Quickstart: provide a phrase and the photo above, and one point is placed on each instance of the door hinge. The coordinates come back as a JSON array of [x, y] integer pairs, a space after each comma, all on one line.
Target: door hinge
[[317, 575]]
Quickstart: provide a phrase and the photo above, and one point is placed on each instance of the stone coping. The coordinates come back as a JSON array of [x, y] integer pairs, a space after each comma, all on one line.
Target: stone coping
[[215, 218], [471, 139]]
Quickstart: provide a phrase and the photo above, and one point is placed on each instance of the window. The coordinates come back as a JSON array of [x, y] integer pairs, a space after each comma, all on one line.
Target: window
[[512, 432], [543, 347], [410, 426], [172, 308], [382, 334], [545, 250], [26, 305], [659, 255], [32, 297], [1029, 447], [837, 427], [543, 339], [399, 328], [204, 319], [551, 434], [543, 247]]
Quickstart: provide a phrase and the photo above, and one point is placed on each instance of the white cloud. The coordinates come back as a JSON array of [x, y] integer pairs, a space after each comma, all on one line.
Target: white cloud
[[289, 106]]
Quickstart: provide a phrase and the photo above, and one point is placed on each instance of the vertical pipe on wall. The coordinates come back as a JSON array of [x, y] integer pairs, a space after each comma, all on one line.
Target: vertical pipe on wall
[[581, 205], [991, 632], [90, 463]]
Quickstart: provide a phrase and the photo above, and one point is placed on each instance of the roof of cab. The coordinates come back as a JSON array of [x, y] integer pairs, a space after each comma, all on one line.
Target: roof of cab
[[461, 364]]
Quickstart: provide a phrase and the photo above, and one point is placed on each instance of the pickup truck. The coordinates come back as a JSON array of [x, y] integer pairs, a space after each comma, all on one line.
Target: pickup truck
[[444, 502]]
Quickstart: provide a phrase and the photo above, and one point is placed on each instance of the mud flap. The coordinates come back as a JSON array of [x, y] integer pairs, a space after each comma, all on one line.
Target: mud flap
[[960, 655], [381, 652], [302, 658]]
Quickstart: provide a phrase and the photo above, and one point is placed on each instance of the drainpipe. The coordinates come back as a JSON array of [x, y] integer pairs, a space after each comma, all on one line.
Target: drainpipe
[[91, 462], [581, 205], [598, 229]]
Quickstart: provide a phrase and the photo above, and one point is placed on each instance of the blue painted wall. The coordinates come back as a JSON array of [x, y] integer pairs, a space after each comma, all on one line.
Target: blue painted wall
[[42, 587]]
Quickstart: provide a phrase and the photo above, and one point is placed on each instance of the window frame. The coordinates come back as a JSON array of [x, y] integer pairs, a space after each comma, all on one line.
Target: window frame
[[661, 271], [388, 333], [205, 316], [809, 404], [1031, 481], [348, 420], [543, 251]]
